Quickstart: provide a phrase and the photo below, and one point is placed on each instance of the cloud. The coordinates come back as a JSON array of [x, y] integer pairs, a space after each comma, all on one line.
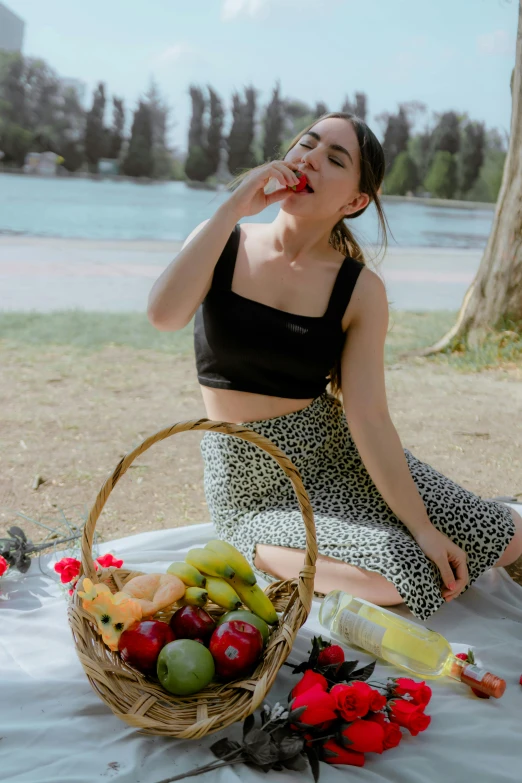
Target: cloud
[[232, 9], [176, 53], [497, 42]]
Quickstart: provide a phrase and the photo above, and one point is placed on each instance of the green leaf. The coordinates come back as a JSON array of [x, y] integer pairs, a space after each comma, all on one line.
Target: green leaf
[[365, 673], [224, 747], [313, 759], [248, 725]]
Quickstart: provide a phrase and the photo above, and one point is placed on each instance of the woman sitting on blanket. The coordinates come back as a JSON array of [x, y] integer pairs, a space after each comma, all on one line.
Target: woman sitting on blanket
[[283, 309]]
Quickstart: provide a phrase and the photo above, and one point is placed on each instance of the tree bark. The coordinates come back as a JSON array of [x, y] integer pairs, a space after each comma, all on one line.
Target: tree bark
[[495, 295]]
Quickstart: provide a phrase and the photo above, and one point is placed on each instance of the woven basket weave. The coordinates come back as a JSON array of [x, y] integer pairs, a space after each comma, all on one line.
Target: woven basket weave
[[140, 701]]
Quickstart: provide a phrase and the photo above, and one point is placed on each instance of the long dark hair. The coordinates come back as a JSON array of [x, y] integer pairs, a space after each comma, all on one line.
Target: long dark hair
[[372, 167]]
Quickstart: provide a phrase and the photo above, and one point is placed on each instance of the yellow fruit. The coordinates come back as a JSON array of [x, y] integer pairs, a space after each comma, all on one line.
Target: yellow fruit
[[222, 593], [189, 575], [256, 600], [194, 596], [234, 558], [209, 563]]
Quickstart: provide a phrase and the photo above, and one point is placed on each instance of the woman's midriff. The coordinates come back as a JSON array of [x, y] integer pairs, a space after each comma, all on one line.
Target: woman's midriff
[[240, 407]]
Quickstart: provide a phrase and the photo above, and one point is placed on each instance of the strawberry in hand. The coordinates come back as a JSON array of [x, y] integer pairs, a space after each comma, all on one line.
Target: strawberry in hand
[[301, 185]]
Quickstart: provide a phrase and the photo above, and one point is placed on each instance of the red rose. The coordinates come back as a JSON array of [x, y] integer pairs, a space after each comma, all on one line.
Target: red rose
[[352, 701], [365, 736], [4, 565], [68, 568], [320, 707], [420, 692], [307, 681], [378, 701], [109, 560], [335, 754], [410, 716], [392, 732]]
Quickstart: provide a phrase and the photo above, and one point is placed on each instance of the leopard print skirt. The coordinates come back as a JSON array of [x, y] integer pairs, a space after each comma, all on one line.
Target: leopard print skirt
[[251, 501]]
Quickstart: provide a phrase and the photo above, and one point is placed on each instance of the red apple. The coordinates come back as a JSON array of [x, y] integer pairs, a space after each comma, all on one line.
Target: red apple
[[235, 647], [192, 622], [141, 644]]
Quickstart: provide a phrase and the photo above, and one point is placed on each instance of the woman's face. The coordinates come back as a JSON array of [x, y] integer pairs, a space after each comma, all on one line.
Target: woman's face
[[329, 156]]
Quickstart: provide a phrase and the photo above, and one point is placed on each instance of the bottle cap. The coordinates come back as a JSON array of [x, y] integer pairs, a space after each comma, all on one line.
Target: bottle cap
[[483, 681]]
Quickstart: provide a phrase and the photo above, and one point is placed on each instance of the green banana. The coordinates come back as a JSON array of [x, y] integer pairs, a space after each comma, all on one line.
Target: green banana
[[256, 600], [234, 558], [222, 593], [189, 575], [194, 596], [209, 563]]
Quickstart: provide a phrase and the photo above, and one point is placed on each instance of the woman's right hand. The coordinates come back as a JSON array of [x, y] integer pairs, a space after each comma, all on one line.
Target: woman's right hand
[[250, 198]]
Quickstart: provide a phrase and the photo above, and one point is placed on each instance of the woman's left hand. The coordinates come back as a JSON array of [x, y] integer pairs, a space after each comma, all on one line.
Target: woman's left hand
[[449, 558]]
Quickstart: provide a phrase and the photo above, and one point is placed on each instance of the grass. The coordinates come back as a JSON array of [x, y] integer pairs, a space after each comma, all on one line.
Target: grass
[[408, 330]]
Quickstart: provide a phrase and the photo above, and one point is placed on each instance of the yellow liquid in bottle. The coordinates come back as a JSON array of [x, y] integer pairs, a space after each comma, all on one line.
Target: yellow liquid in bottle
[[381, 633]]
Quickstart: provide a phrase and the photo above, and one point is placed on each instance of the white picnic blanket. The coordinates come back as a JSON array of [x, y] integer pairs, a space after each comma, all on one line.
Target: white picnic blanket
[[55, 729]]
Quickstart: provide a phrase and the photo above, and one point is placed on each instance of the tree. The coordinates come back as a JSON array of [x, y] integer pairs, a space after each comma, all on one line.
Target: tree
[[116, 133], [396, 134], [95, 135], [359, 108], [242, 131], [139, 161], [445, 136], [215, 132], [320, 109], [403, 177], [197, 164], [442, 176], [494, 299], [471, 155], [273, 126]]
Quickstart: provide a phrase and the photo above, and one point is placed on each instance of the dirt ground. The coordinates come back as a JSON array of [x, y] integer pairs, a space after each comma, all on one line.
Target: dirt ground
[[69, 415]]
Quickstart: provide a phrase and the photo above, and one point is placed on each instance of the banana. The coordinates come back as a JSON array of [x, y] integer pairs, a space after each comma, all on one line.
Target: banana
[[234, 558], [209, 563], [256, 600], [222, 593], [189, 575], [194, 596]]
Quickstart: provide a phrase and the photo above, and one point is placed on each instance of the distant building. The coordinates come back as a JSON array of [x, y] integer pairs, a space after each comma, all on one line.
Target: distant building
[[11, 30]]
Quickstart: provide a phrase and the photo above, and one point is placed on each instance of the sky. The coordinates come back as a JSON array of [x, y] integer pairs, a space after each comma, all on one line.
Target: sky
[[450, 54]]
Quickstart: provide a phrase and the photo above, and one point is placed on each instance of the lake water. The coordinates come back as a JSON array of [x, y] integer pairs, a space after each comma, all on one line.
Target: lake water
[[88, 209]]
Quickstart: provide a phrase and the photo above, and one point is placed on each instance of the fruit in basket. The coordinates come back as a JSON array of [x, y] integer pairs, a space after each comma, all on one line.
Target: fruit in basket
[[247, 617], [256, 600], [113, 613], [222, 593], [154, 591], [234, 558], [209, 563], [141, 644], [194, 596], [189, 575], [191, 622], [184, 667], [236, 647]]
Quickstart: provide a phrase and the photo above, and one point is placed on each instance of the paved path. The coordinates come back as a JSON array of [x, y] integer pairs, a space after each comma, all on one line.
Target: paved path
[[55, 274]]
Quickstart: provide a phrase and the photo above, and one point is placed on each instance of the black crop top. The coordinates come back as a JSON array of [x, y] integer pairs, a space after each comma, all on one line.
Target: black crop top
[[248, 346]]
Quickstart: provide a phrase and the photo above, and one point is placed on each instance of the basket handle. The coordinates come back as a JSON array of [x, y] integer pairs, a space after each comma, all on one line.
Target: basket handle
[[307, 573]]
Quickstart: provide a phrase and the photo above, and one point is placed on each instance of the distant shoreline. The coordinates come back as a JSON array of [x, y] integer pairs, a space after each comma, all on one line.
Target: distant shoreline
[[432, 202]]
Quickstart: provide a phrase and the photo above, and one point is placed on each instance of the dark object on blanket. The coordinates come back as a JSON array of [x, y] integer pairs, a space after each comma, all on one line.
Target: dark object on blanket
[[17, 548]]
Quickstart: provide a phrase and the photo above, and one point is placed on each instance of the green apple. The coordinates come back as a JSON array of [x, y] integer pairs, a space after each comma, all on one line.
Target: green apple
[[185, 667], [247, 617]]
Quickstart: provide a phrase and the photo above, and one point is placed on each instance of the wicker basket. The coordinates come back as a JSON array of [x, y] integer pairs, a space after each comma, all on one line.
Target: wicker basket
[[143, 703]]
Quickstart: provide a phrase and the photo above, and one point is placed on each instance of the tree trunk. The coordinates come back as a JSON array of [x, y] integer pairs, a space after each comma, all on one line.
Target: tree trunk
[[496, 292]]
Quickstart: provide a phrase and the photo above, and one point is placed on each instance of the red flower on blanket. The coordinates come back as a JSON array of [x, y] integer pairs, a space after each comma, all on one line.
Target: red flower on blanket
[[410, 716], [307, 681], [68, 568], [319, 707], [419, 691], [353, 701], [366, 736], [4, 565], [106, 561]]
